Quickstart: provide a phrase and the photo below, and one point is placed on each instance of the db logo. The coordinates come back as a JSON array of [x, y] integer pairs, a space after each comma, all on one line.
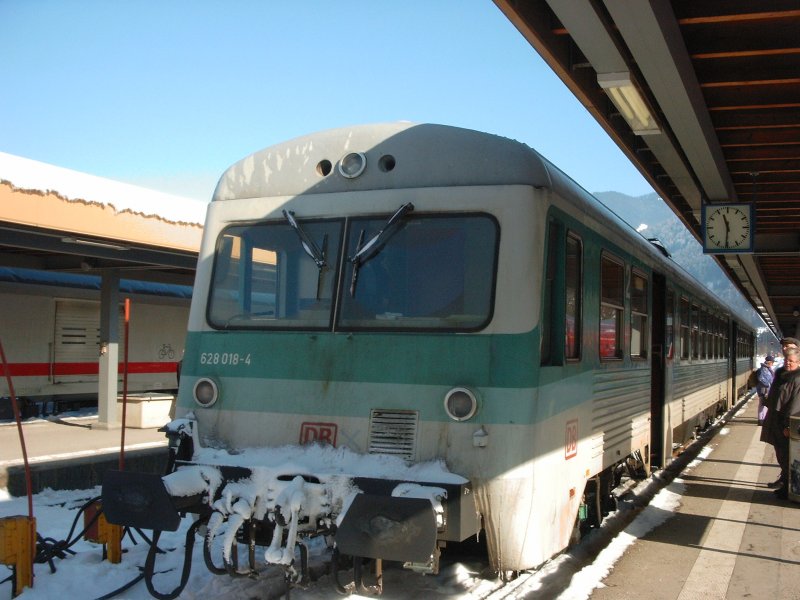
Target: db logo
[[571, 439], [324, 433]]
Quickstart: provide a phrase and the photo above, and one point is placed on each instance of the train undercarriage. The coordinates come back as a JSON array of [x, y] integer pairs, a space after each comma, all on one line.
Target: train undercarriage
[[278, 516]]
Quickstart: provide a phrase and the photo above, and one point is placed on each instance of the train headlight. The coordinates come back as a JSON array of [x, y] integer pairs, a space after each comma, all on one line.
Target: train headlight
[[460, 404], [205, 392], [353, 165]]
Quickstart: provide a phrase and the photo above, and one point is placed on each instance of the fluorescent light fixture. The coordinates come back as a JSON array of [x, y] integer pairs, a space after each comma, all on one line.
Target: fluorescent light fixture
[[83, 242], [629, 102]]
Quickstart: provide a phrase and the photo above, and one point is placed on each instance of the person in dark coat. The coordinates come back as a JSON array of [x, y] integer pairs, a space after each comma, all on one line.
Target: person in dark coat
[[770, 430], [788, 405]]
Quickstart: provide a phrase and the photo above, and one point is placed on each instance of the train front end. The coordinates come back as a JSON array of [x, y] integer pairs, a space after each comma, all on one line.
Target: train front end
[[351, 371]]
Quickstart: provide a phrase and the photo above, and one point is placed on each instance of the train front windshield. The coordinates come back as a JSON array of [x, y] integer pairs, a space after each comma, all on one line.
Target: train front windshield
[[425, 272]]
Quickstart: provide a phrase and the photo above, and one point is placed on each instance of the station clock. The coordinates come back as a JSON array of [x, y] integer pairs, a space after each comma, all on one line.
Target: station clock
[[728, 227]]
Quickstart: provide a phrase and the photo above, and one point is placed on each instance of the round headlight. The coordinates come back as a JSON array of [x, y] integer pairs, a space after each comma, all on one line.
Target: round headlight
[[460, 404], [205, 392], [353, 165]]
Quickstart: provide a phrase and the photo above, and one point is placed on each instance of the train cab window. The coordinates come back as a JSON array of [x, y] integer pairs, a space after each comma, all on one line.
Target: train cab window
[[612, 303], [264, 276], [639, 320], [433, 272], [685, 328]]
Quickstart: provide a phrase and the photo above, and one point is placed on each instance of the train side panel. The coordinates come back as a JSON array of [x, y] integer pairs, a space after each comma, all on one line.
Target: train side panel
[[52, 343]]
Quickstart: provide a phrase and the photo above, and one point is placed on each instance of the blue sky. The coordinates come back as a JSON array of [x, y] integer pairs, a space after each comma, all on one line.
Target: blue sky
[[168, 94]]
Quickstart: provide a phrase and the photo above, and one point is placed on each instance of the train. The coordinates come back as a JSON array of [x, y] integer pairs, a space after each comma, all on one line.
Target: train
[[50, 324], [408, 335]]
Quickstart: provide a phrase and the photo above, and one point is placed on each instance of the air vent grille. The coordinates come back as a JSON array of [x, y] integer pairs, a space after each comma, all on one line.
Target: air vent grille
[[393, 432]]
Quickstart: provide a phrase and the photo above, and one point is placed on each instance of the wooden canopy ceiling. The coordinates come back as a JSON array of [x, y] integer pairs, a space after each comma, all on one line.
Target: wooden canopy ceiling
[[722, 81]]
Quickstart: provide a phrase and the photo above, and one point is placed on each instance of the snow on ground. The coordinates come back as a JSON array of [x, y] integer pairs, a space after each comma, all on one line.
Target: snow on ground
[[86, 575], [571, 576]]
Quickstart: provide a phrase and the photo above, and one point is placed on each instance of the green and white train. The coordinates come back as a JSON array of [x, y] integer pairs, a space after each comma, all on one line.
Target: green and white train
[[404, 335]]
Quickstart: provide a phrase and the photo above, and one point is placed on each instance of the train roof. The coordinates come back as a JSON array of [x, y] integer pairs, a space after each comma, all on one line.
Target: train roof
[[422, 155]]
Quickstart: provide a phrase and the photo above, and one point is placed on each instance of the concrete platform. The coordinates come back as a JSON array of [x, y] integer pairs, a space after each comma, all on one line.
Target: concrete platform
[[74, 453], [731, 538]]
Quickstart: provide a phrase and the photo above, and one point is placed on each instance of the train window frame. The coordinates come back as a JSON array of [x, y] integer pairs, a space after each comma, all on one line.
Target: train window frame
[[346, 321], [725, 352], [612, 304], [547, 351], [242, 294], [669, 329], [639, 314], [562, 297], [694, 330], [573, 353], [702, 329], [685, 327]]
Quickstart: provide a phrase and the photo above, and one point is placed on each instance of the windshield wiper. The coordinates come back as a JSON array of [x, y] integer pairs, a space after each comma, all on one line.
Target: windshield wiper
[[317, 255], [368, 250]]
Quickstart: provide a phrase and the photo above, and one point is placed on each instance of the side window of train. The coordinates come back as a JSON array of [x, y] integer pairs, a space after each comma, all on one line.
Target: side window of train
[[612, 304], [695, 331], [549, 291], [639, 315], [703, 333], [685, 328], [573, 275], [562, 297], [669, 334]]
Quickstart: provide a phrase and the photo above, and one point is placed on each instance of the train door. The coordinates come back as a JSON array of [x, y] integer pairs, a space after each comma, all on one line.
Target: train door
[[660, 361], [77, 341]]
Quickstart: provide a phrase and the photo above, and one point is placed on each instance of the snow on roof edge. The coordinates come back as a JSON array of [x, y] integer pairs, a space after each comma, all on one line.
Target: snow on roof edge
[[28, 174]]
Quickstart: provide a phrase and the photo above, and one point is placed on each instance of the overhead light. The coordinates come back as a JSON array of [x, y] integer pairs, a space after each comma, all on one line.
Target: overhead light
[[629, 102], [83, 242]]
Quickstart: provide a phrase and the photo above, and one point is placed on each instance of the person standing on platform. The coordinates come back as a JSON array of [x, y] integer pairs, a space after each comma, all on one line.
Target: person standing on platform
[[788, 405], [763, 383], [770, 430]]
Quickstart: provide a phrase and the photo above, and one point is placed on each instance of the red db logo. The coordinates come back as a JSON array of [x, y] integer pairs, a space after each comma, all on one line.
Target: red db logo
[[571, 439], [324, 433]]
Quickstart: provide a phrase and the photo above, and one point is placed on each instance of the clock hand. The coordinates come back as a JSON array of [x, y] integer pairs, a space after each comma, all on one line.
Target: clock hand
[[727, 228]]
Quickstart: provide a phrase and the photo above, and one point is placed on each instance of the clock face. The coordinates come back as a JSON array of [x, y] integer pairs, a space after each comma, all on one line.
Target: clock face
[[728, 227]]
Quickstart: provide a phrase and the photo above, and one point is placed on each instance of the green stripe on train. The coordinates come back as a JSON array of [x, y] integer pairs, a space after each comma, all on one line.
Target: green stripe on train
[[503, 361]]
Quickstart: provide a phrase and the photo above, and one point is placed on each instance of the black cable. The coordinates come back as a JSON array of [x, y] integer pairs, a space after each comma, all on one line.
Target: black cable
[[48, 548], [118, 591], [149, 565]]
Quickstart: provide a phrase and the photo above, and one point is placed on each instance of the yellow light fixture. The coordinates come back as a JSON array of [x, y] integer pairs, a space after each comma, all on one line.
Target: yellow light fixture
[[629, 102]]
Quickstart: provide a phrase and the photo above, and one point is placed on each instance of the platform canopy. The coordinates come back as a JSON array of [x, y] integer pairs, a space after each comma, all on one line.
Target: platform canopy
[[56, 220], [703, 96]]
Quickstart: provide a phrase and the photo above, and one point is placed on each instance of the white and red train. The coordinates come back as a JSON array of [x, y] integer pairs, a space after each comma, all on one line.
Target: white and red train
[[50, 330]]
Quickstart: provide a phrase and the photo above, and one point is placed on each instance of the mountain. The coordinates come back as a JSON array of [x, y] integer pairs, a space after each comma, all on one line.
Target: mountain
[[651, 216]]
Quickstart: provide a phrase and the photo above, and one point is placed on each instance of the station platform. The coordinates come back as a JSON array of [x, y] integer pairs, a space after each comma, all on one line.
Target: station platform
[[72, 453], [731, 538]]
